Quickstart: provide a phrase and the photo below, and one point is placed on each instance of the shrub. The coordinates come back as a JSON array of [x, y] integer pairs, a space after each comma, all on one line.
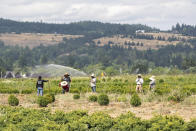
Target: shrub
[[27, 91], [128, 122], [92, 98], [50, 97], [191, 126], [109, 79], [162, 90], [103, 99], [135, 100], [76, 96], [13, 101], [177, 96], [43, 101], [167, 123], [74, 91], [103, 79], [161, 81], [98, 121]]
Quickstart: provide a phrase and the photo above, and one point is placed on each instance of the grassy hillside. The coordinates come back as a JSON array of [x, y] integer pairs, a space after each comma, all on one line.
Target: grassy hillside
[[34, 39], [159, 40]]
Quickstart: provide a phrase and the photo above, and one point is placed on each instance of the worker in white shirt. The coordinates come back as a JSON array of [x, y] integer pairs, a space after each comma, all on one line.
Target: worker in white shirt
[[152, 83], [139, 82], [93, 83]]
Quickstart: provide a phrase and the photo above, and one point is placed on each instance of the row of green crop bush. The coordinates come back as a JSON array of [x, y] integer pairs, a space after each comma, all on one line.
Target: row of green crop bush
[[24, 119]]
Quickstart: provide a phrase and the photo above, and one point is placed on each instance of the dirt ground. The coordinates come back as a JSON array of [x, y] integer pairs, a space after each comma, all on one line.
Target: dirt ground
[[147, 110]]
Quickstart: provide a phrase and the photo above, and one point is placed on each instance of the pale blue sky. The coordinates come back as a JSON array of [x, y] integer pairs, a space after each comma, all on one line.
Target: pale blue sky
[[156, 13]]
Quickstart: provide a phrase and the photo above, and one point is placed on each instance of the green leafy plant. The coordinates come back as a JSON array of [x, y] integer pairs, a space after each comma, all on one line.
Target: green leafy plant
[[26, 91], [92, 98], [50, 97], [76, 96], [135, 100], [13, 101], [43, 101], [191, 126], [103, 99]]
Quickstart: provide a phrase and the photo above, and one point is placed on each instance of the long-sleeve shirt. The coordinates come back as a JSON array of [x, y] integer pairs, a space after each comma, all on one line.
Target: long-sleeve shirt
[[40, 83]]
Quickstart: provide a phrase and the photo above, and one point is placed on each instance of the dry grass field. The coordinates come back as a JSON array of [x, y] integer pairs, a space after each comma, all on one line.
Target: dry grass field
[[147, 110], [147, 44], [34, 39]]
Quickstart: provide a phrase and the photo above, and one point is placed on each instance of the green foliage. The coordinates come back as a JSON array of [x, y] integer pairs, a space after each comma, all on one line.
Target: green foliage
[[98, 121], [41, 119], [92, 98], [43, 101], [161, 81], [167, 123], [122, 98], [76, 96], [8, 91], [26, 91], [135, 100], [111, 71], [128, 122], [103, 99], [191, 126], [162, 90], [50, 97], [74, 91], [13, 101]]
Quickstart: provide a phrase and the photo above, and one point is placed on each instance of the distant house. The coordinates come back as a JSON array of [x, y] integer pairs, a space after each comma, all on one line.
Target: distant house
[[140, 31]]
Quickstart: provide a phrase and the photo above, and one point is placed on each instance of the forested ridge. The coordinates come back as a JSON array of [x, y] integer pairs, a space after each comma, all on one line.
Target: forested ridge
[[81, 28], [89, 57]]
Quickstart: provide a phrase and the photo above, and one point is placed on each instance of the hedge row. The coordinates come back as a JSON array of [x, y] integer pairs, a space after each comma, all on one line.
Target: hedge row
[[32, 119]]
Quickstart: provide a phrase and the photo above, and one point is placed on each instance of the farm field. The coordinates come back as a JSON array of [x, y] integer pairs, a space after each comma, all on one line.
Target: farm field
[[173, 103]]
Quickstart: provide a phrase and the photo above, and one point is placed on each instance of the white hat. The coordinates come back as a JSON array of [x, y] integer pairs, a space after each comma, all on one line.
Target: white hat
[[152, 78], [64, 83], [93, 75], [139, 75]]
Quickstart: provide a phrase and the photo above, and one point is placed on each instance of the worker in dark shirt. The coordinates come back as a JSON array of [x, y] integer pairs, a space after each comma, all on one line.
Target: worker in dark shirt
[[40, 86], [68, 80]]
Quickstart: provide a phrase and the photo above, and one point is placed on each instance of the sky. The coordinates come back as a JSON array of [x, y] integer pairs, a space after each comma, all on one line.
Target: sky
[[161, 14]]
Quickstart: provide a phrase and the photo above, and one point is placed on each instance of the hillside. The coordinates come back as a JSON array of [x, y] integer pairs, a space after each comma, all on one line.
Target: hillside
[[78, 28], [144, 41], [90, 46], [34, 39]]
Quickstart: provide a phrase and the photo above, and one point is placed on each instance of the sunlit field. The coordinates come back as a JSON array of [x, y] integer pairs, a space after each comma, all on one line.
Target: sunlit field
[[172, 105]]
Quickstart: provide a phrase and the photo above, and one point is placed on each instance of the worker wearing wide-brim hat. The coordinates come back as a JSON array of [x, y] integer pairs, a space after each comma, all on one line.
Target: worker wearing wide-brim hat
[[139, 83], [152, 83], [93, 82], [66, 78]]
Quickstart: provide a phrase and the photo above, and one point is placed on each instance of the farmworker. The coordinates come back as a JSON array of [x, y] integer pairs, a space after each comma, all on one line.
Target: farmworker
[[65, 83], [139, 82], [152, 83], [93, 83], [40, 86]]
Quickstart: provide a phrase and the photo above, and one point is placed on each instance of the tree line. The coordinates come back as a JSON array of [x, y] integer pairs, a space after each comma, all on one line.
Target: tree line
[[75, 53]]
